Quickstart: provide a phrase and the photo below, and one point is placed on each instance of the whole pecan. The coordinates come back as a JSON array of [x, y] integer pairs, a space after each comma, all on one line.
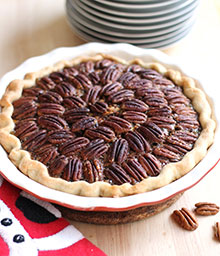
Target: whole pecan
[[111, 88], [33, 91], [57, 166], [94, 149], [150, 163], [206, 209], [99, 107], [92, 95], [135, 117], [36, 140], [50, 97], [65, 89], [217, 231], [121, 96], [70, 147], [118, 124], [117, 174], [185, 219], [74, 102], [24, 107], [93, 170], [46, 83], [135, 169], [46, 153], [73, 171], [151, 132], [101, 132], [81, 81], [84, 123], [75, 114], [137, 142], [118, 151], [135, 105], [25, 128], [52, 122], [59, 136], [50, 109]]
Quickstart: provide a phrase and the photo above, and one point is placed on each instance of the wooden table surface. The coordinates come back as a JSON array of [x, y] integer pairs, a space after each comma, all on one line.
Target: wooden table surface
[[34, 27]]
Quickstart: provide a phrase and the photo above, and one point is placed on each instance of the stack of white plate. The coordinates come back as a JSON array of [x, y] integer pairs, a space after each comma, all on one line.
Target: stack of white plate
[[144, 23]]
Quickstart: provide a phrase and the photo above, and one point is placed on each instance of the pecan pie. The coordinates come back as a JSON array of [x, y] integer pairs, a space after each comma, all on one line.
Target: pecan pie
[[100, 126]]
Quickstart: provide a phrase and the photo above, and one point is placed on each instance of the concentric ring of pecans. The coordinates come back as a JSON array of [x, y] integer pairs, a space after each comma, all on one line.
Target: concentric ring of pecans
[[104, 121]]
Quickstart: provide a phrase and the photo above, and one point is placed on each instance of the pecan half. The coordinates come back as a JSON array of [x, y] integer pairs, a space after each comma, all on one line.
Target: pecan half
[[186, 136], [163, 82], [36, 140], [167, 152], [187, 122], [95, 149], [150, 163], [70, 147], [135, 169], [175, 96], [46, 153], [160, 111], [92, 95], [46, 83], [206, 209], [50, 109], [118, 151], [147, 91], [181, 146], [57, 166], [155, 101], [81, 81], [135, 117], [101, 132], [185, 219], [111, 88], [52, 122], [101, 64], [163, 122], [117, 174], [134, 105], [84, 123], [137, 142], [151, 132], [136, 84], [50, 97], [75, 114], [127, 78], [57, 76], [24, 107], [110, 74], [65, 89], [73, 171], [150, 74], [25, 128], [73, 102], [118, 124], [59, 136], [121, 96], [217, 231], [33, 91], [99, 107], [93, 170], [86, 67]]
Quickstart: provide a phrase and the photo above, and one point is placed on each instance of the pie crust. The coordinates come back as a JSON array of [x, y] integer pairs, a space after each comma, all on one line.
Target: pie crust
[[170, 172]]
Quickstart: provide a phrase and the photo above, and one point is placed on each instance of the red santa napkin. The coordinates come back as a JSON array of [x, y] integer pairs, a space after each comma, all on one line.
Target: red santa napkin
[[32, 227]]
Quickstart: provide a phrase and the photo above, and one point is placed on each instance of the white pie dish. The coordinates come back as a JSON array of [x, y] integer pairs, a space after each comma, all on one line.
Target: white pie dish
[[92, 203]]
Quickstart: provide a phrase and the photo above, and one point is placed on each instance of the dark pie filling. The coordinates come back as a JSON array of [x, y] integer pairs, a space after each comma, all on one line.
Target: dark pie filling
[[104, 121]]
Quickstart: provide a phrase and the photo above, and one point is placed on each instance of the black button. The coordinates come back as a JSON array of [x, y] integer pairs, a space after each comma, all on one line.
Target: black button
[[6, 222], [18, 238]]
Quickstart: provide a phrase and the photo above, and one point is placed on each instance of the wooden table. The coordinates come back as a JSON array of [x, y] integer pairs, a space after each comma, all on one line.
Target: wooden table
[[34, 27]]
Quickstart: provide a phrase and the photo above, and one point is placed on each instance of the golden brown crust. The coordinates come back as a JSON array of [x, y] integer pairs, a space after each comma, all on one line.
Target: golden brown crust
[[38, 171]]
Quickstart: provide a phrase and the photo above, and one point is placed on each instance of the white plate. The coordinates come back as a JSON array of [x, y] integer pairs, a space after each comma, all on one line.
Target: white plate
[[80, 14], [133, 13], [153, 41], [10, 172], [137, 21]]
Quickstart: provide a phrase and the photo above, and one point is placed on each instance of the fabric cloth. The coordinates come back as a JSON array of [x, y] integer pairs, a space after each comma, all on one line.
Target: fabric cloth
[[32, 227]]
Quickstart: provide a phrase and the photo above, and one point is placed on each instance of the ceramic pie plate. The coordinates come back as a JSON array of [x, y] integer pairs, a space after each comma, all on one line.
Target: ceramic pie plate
[[164, 195]]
